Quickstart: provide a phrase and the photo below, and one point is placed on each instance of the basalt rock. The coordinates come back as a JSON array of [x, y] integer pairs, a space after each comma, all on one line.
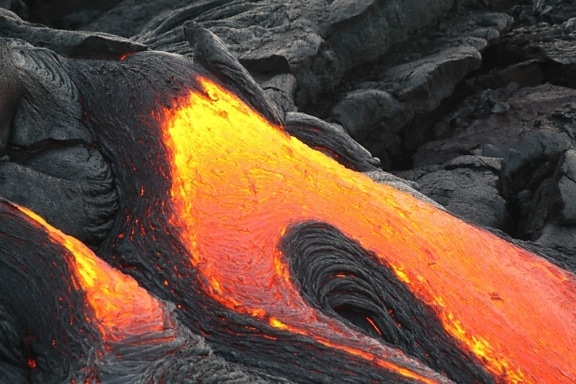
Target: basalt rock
[[401, 90], [68, 14], [560, 222], [285, 262], [316, 43], [527, 129], [469, 186], [519, 125], [387, 83], [553, 45]]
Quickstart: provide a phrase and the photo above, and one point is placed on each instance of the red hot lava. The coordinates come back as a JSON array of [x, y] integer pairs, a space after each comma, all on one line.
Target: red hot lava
[[122, 309], [213, 196], [238, 183]]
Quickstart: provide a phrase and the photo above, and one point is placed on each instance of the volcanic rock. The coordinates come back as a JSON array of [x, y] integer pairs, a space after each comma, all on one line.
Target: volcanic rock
[[469, 187], [374, 117], [90, 45], [533, 126], [527, 137], [316, 43], [550, 39], [67, 14], [386, 110], [561, 220], [566, 179], [491, 143], [395, 75], [19, 7]]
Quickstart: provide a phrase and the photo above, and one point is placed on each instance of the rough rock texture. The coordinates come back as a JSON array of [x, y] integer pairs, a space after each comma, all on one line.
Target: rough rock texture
[[472, 102], [560, 223], [527, 130], [515, 124], [463, 180], [394, 98], [316, 43], [417, 83]]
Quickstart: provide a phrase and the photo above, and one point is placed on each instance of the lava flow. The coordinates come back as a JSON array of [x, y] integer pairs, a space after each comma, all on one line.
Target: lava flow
[[237, 185], [122, 309]]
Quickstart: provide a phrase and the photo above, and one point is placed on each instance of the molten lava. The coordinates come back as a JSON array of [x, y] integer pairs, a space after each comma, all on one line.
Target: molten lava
[[122, 309], [238, 183]]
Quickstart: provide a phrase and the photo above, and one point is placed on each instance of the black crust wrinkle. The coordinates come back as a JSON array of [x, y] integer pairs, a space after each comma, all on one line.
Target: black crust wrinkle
[[344, 280]]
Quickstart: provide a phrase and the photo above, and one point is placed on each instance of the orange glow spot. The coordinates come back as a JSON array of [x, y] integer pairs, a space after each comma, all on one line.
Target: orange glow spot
[[121, 307], [238, 182], [258, 312], [31, 363]]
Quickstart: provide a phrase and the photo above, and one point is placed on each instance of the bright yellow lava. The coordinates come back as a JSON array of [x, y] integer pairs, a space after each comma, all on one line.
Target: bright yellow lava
[[238, 182]]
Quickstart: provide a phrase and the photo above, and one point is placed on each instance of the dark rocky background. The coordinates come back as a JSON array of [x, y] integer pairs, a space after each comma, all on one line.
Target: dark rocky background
[[473, 101]]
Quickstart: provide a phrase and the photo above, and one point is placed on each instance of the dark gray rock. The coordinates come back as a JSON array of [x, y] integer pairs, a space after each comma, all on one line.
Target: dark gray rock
[[12, 90], [552, 44], [128, 17], [50, 165], [316, 42], [423, 83], [66, 178], [467, 186], [375, 118], [19, 7], [386, 110], [557, 236], [89, 45], [566, 181], [362, 31], [559, 229], [529, 130], [527, 73], [280, 90], [330, 139], [67, 14]]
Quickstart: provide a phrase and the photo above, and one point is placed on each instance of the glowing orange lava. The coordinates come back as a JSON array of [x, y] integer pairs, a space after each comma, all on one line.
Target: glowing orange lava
[[122, 308], [238, 182]]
